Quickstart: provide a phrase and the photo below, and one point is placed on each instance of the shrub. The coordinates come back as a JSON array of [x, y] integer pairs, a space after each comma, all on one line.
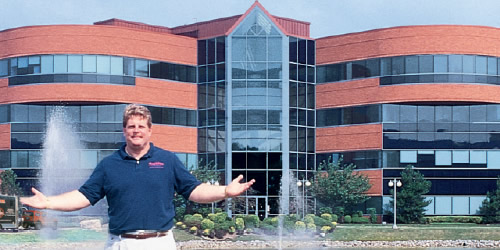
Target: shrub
[[187, 216], [333, 224], [252, 221], [453, 219], [320, 221], [311, 227], [179, 224], [193, 230], [360, 220], [325, 229], [198, 216], [220, 217], [347, 219], [289, 222], [207, 224], [309, 219], [206, 232], [193, 221], [268, 229], [373, 217], [335, 218], [300, 226], [325, 210], [211, 217], [232, 230], [240, 223], [359, 213], [275, 221], [339, 211], [327, 217]]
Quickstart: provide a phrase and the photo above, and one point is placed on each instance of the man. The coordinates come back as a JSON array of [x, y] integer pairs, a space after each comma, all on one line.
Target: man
[[139, 182]]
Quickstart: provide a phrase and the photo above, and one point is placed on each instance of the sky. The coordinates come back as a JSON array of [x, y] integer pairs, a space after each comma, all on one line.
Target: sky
[[327, 17]]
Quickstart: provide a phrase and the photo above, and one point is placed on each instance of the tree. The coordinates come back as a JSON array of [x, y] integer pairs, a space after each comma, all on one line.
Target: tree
[[8, 183], [490, 209], [410, 200], [337, 185], [204, 173]]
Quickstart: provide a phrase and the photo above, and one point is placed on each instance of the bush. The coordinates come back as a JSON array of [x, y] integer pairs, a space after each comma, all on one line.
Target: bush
[[289, 222], [240, 223], [211, 217], [207, 224], [252, 221], [453, 219], [335, 218], [310, 227], [207, 232], [339, 211], [360, 220], [325, 210], [373, 216], [347, 219], [179, 224], [198, 216], [333, 224], [268, 229], [220, 217], [191, 221], [300, 226], [309, 219], [325, 229], [232, 230], [187, 216], [320, 222], [327, 217], [179, 213], [193, 230]]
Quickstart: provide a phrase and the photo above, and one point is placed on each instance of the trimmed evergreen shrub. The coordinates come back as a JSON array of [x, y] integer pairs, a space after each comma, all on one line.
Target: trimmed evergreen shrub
[[347, 219]]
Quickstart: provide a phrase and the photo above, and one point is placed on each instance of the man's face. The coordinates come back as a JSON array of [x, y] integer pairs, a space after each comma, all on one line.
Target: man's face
[[137, 132]]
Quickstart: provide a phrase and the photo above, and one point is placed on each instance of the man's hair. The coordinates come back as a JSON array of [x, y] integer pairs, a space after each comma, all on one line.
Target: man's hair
[[136, 110]]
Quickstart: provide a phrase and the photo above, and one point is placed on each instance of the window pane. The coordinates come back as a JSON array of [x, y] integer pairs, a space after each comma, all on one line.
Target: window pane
[[47, 64], [492, 65], [455, 63], [141, 68], [481, 65], [411, 64], [443, 114], [443, 157], [89, 64], [408, 156], [478, 157], [468, 64], [103, 64], [460, 156], [274, 48], [425, 64], [461, 114], [494, 159], [116, 65], [74, 63], [443, 205], [60, 63], [440, 63], [461, 205]]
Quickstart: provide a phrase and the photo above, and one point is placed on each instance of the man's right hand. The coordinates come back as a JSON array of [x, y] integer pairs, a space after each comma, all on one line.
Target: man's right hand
[[38, 200]]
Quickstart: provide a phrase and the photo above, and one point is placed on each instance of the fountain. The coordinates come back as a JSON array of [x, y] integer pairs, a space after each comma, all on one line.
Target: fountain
[[61, 167]]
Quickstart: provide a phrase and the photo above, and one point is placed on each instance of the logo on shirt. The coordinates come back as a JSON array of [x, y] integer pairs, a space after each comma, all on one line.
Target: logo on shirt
[[156, 164]]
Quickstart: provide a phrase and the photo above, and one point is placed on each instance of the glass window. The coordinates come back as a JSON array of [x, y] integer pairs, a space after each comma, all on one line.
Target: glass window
[[443, 157], [19, 159], [492, 65], [398, 65], [390, 113], [443, 205], [478, 157], [128, 66], [493, 113], [103, 64], [239, 70], [4, 67], [460, 205], [468, 64], [274, 48], [493, 159], [256, 49], [440, 63], [141, 68], [443, 113], [116, 65], [89, 114], [408, 156], [475, 204], [461, 114], [19, 113], [478, 113], [221, 49], [460, 156], [426, 114], [311, 52], [60, 63], [36, 113], [274, 71], [411, 64], [74, 64], [88, 159], [89, 63], [408, 113], [256, 70], [105, 113], [425, 64], [385, 66], [455, 63], [211, 51], [481, 65], [47, 64]]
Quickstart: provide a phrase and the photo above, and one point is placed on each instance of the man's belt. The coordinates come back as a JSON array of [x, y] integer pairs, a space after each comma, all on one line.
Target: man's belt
[[144, 234]]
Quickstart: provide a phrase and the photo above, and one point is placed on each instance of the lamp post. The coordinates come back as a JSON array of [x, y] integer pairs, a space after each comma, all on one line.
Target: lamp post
[[303, 184], [395, 183], [216, 183]]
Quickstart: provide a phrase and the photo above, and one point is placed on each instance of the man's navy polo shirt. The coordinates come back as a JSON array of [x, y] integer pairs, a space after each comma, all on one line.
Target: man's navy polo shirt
[[140, 193]]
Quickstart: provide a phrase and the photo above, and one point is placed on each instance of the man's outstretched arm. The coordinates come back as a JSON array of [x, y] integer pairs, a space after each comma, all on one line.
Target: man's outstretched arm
[[205, 193], [70, 201]]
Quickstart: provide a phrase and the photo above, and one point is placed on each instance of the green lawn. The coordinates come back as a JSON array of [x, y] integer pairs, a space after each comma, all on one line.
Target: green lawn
[[342, 233]]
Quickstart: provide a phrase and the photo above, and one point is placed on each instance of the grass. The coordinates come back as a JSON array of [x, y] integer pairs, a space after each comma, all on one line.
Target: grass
[[342, 233], [416, 232]]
